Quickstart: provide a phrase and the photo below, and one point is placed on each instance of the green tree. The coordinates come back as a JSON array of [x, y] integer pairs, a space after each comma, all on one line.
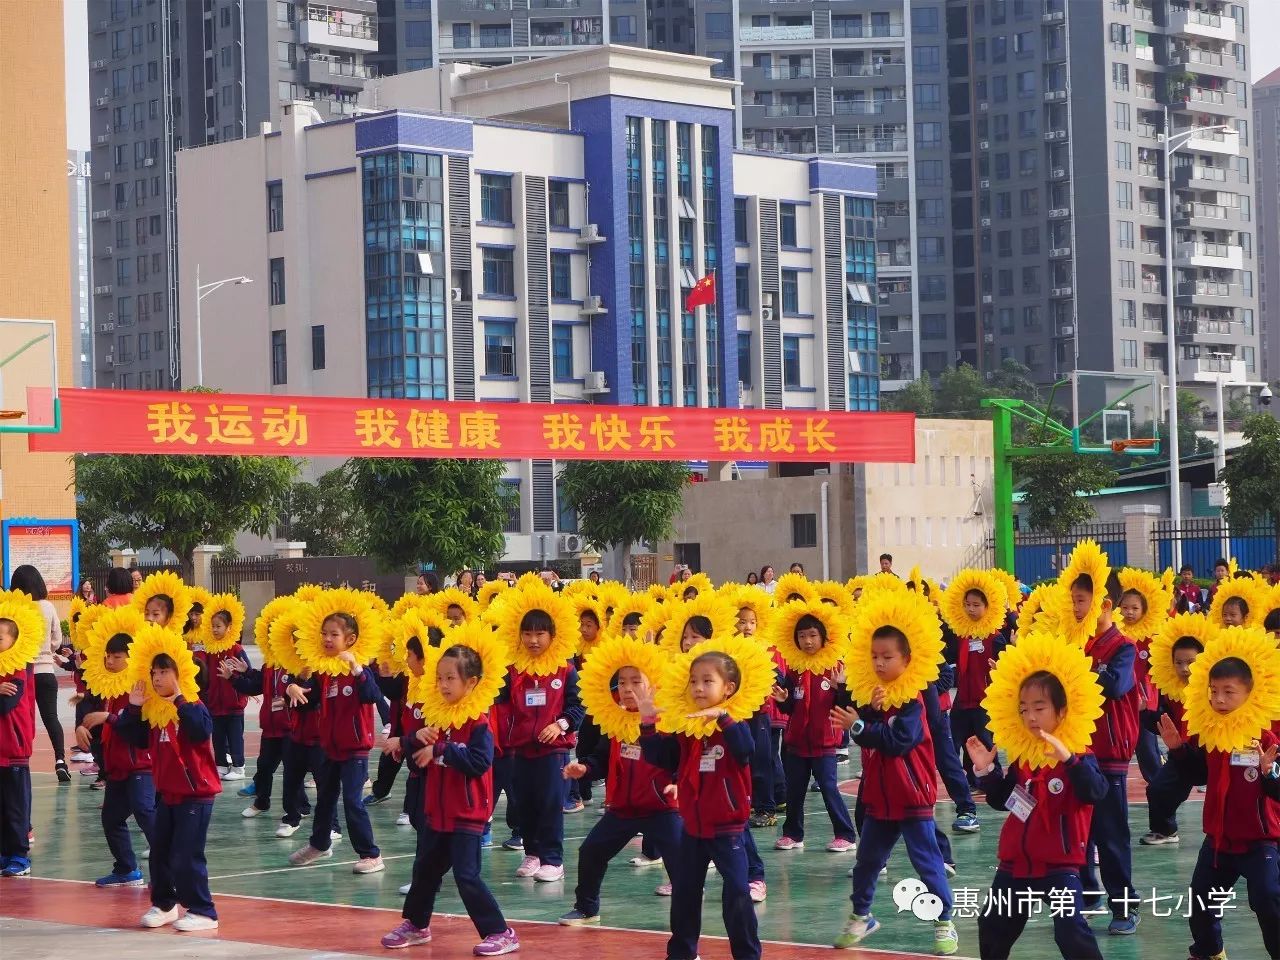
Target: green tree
[[95, 544], [1252, 476], [447, 513], [916, 397], [1191, 411], [620, 502], [177, 503], [960, 393], [1056, 490], [326, 515], [1013, 380]]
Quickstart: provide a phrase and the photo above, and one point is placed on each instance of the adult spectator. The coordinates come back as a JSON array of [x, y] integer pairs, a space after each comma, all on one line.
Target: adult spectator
[[798, 567], [135, 578], [428, 583], [481, 580], [594, 576], [27, 579], [886, 563], [119, 587], [768, 583], [87, 593], [753, 578], [467, 582]]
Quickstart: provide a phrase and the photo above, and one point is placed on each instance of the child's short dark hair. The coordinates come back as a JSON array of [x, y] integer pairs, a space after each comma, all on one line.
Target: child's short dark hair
[[632, 619], [1272, 623], [469, 663], [1135, 593], [538, 621], [346, 620], [454, 606], [887, 556], [810, 622], [119, 643], [724, 664], [1238, 604], [119, 581], [1187, 643], [224, 616], [890, 632], [1112, 586], [414, 646], [701, 626], [1187, 568], [794, 596], [1232, 668], [690, 593], [435, 636], [1050, 685], [1221, 562], [196, 608], [590, 615], [162, 661], [975, 592], [9, 627]]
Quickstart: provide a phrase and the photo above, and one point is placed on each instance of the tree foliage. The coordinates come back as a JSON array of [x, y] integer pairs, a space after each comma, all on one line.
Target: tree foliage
[[447, 513], [326, 515], [177, 503], [961, 389], [916, 397], [1252, 476], [1191, 411], [1056, 490], [621, 502]]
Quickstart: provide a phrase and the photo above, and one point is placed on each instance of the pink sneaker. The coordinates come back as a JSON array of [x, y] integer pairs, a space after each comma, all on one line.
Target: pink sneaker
[[406, 935], [786, 843], [841, 845], [758, 891], [496, 944], [528, 867], [663, 890]]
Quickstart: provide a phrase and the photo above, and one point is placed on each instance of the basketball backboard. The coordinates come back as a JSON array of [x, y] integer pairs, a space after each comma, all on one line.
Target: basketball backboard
[[28, 376], [1115, 412]]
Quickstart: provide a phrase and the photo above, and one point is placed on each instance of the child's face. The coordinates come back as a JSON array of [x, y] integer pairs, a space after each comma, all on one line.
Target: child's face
[[689, 639], [1220, 572], [1231, 615], [193, 618], [116, 662], [1131, 609], [335, 637], [455, 614], [974, 606], [449, 680], [1227, 695], [631, 629], [1081, 603], [1182, 661], [689, 594], [414, 663], [747, 622], [809, 640], [1187, 576], [1037, 710], [887, 659], [708, 687], [218, 627], [156, 612], [8, 637], [421, 586], [588, 627], [857, 593], [165, 681], [535, 641], [633, 686]]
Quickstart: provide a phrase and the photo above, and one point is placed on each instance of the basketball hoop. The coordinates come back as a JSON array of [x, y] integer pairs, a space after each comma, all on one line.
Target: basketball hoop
[[1140, 443], [12, 414]]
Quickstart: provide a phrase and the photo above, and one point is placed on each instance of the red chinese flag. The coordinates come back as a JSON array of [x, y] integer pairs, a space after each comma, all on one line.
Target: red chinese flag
[[703, 293]]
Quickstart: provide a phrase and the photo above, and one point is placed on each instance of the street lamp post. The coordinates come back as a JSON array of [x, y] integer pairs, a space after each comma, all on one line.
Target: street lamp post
[[202, 291], [1171, 146]]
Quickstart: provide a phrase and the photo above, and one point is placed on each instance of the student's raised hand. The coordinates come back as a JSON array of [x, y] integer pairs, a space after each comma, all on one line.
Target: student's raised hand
[[1269, 756], [844, 717], [550, 733], [981, 756], [353, 665], [779, 694], [8, 688], [877, 698], [138, 694], [297, 696], [574, 771], [1056, 747], [838, 674], [1169, 732], [225, 669], [672, 791], [646, 708]]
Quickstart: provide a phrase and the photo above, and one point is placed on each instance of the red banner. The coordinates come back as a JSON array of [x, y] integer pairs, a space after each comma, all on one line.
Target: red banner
[[128, 421]]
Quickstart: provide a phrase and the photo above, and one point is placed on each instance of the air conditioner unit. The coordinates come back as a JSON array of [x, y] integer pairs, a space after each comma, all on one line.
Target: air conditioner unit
[[1059, 172], [766, 314], [106, 327], [984, 144], [594, 382], [986, 298], [590, 234], [109, 360], [149, 162], [986, 221], [455, 294], [988, 338], [106, 176], [102, 214], [102, 139], [594, 304], [1068, 330], [101, 101], [571, 543], [99, 64], [985, 183], [102, 290], [983, 106]]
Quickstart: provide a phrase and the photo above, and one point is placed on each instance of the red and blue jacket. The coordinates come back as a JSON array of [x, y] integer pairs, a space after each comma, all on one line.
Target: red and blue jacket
[[1116, 737], [529, 704], [121, 756], [458, 791], [1241, 801], [182, 762], [713, 775], [222, 697], [810, 697], [342, 712], [405, 723], [972, 657], [276, 719], [1055, 835], [18, 719], [899, 773], [633, 786]]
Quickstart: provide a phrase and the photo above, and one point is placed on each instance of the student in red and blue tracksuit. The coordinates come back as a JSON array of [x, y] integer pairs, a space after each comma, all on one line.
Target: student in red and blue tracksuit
[[226, 701], [972, 657], [17, 734], [276, 721], [1169, 788]]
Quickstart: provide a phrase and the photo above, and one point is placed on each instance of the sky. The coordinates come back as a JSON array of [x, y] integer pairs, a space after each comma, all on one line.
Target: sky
[[1264, 29]]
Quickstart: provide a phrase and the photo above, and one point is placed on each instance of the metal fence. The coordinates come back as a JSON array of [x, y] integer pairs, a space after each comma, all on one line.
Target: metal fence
[[98, 575], [227, 575], [1202, 544], [1040, 556]]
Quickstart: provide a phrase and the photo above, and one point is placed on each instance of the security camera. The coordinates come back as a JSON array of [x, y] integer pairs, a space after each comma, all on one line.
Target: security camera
[[1265, 396]]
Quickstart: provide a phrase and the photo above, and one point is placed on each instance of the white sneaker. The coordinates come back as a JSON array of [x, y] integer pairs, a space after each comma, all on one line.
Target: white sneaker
[[80, 756], [233, 773], [528, 867], [549, 873], [404, 889], [193, 922], [335, 837], [155, 917], [369, 865], [222, 772], [286, 830], [403, 820], [643, 861], [309, 855], [251, 811]]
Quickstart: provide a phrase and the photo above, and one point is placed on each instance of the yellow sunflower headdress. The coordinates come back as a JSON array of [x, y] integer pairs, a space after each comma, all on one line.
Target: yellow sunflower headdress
[[415, 623], [407, 602], [631, 603], [26, 615], [311, 625], [790, 584], [1087, 559], [227, 603], [611, 595], [596, 678], [262, 628], [442, 600], [1160, 653], [916, 618], [834, 595], [658, 592], [952, 604], [201, 596], [1154, 597], [882, 581], [81, 626], [782, 632], [698, 581], [1243, 588], [493, 665], [1237, 729], [127, 620], [741, 596], [656, 623], [588, 603], [148, 643], [854, 584], [308, 592], [1012, 588], [536, 595], [74, 612], [1268, 601], [674, 704], [1034, 608], [165, 584], [282, 638], [1032, 653], [491, 589], [722, 615]]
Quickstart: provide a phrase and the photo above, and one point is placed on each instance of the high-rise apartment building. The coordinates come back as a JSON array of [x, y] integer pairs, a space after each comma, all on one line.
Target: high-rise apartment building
[[1266, 138], [171, 74], [79, 173]]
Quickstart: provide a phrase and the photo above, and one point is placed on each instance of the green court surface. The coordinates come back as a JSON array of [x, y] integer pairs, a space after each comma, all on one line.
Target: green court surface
[[806, 905]]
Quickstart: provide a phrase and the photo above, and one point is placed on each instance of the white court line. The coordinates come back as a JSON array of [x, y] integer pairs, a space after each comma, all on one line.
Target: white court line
[[327, 862]]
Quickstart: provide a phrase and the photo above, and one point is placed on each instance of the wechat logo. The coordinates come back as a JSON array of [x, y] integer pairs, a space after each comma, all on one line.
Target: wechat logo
[[912, 895]]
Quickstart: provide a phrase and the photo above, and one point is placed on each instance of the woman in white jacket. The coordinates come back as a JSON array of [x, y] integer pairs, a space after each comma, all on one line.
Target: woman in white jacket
[[28, 579]]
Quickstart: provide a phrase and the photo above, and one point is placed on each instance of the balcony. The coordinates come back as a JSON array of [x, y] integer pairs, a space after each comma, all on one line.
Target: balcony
[[1053, 16], [859, 145], [1187, 213], [1207, 330], [877, 69], [775, 34], [863, 108], [1059, 173], [787, 109], [1058, 293], [1055, 96], [337, 29], [1205, 95], [865, 31], [786, 71], [319, 70], [1148, 169], [1203, 289], [892, 188], [483, 41], [1211, 369], [1147, 91], [1055, 136], [1149, 208], [1151, 248], [1223, 256], [1059, 213], [1192, 57], [1060, 253], [1195, 23], [1225, 142], [564, 38], [1196, 176], [1153, 286]]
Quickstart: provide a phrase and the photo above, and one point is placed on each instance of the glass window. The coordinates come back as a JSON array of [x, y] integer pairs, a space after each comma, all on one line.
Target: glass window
[[742, 291], [1128, 353], [275, 207], [499, 275], [1128, 313], [740, 219], [279, 359], [1124, 155], [562, 351], [276, 274], [495, 197], [928, 96], [719, 26], [500, 348], [791, 361], [1124, 195], [1127, 274], [744, 358], [924, 19], [925, 59], [558, 203], [787, 224], [317, 347], [561, 276], [1124, 234], [417, 33], [790, 292], [804, 526]]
